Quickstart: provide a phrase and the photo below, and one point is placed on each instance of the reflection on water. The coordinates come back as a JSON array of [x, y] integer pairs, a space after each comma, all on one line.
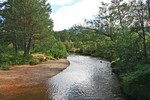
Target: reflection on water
[[85, 79]]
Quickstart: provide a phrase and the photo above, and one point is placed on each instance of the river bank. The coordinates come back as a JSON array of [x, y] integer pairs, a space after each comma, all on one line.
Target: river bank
[[28, 81]]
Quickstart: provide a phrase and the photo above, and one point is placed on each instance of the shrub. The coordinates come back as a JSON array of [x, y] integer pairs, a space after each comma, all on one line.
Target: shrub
[[58, 50], [34, 61], [40, 57], [121, 67], [50, 58], [4, 66], [136, 84], [37, 59], [19, 59]]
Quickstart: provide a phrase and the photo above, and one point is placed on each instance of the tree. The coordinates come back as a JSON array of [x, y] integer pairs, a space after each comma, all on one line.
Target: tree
[[111, 16], [148, 6], [140, 16], [26, 21], [116, 19], [62, 35], [103, 22]]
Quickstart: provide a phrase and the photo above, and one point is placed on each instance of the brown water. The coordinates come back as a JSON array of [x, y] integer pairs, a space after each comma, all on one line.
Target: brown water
[[85, 79]]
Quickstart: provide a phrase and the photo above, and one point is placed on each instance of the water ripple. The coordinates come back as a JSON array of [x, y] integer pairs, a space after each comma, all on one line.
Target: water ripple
[[85, 79]]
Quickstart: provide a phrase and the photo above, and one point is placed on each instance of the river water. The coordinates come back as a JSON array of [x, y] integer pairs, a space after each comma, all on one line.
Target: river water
[[86, 78]]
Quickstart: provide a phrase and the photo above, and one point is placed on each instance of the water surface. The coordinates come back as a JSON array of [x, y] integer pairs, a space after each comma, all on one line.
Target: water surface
[[86, 78]]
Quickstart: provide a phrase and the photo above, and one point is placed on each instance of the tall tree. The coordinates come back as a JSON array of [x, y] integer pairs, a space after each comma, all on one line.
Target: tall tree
[[148, 6], [103, 22], [26, 21], [115, 19], [140, 15]]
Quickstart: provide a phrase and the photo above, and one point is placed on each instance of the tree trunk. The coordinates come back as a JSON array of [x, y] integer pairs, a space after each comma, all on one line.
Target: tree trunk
[[144, 40], [26, 52], [120, 17], [143, 33], [145, 48], [149, 8], [27, 48], [15, 44], [16, 48]]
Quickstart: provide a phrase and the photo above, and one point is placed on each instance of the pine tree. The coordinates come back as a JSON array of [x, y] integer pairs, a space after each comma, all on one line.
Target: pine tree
[[27, 21]]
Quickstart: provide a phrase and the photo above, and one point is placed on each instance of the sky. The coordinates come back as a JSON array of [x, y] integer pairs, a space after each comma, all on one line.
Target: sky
[[66, 13], [2, 1]]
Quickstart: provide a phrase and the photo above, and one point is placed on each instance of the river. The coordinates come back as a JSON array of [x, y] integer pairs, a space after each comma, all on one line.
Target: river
[[86, 78]]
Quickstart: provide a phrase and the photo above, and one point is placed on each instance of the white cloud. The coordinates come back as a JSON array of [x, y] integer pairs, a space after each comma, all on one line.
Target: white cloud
[[59, 2], [67, 16], [2, 1]]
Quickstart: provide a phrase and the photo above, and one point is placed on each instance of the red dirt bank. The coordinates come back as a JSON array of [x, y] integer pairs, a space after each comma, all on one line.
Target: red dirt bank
[[26, 82]]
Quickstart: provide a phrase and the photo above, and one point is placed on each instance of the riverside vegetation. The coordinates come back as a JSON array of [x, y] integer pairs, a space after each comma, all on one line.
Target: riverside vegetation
[[120, 33], [24, 33]]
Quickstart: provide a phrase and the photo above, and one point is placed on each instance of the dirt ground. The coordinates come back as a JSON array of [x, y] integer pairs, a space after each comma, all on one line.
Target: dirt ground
[[26, 82]]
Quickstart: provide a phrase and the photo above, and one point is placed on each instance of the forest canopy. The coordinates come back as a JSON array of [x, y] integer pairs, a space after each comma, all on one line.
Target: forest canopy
[[119, 33], [26, 28]]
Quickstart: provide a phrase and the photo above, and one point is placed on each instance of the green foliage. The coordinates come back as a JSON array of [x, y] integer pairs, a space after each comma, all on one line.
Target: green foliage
[[62, 35], [128, 47], [35, 61], [121, 67], [8, 57], [136, 84], [29, 26], [4, 57], [51, 47], [58, 50], [88, 47], [105, 49], [121, 37], [50, 58], [19, 60], [69, 45], [4, 66]]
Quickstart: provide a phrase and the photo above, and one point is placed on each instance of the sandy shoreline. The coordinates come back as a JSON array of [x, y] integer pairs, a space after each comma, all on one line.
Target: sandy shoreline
[[26, 82]]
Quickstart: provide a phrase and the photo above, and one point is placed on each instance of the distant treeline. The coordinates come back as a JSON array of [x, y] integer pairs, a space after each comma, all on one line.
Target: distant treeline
[[119, 33]]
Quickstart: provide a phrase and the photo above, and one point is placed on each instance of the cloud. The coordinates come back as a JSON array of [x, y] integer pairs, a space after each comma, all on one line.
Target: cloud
[[59, 2], [67, 16], [2, 1]]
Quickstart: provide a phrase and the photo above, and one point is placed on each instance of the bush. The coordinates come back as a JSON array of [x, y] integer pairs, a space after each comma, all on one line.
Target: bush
[[4, 66], [37, 59], [136, 84], [122, 67], [69, 45], [105, 49], [34, 61], [8, 58], [58, 50], [55, 49], [40, 57], [19, 59], [50, 58]]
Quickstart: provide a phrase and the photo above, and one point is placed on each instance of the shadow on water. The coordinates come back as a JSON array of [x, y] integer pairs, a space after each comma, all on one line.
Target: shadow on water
[[85, 79]]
